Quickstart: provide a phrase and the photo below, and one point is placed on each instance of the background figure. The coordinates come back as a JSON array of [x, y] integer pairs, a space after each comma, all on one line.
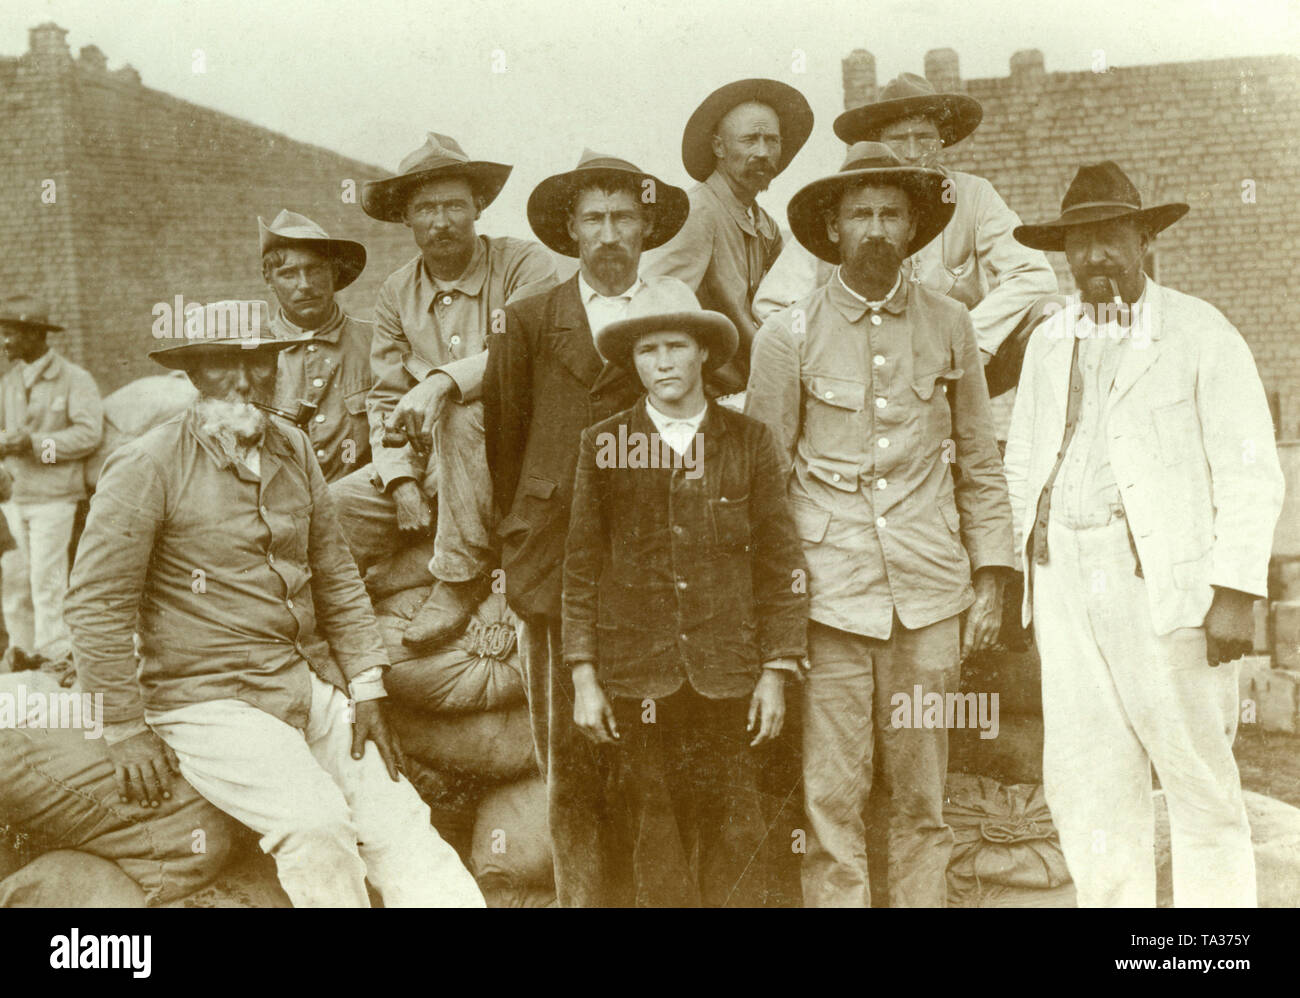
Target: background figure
[[51, 420]]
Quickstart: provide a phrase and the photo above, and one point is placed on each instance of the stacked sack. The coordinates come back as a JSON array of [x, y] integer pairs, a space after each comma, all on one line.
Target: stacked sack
[[461, 714], [61, 816]]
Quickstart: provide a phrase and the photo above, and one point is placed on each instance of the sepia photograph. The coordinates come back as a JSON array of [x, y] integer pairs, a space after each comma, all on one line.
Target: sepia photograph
[[591, 454]]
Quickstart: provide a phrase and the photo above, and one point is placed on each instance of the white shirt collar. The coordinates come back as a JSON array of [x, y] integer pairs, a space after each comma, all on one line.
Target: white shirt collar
[[662, 419], [587, 293]]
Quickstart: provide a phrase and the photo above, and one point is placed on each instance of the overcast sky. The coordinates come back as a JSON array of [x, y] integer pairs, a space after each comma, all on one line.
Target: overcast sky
[[369, 77]]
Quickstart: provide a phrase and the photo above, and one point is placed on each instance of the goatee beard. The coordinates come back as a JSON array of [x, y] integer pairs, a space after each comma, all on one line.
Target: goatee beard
[[234, 425], [876, 262]]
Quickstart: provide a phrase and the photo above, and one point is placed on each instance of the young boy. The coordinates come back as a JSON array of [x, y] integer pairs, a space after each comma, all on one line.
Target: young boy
[[685, 607]]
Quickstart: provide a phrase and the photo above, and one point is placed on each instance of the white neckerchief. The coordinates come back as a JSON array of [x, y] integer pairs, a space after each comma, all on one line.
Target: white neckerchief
[[875, 306]]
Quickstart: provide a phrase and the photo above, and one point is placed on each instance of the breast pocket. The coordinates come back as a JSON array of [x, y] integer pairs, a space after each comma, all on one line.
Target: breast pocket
[[730, 523], [833, 421], [931, 392]]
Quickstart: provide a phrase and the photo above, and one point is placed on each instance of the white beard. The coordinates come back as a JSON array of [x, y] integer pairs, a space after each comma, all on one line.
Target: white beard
[[235, 426]]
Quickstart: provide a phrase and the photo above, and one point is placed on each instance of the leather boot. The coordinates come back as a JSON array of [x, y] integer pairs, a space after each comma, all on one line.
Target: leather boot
[[445, 612]]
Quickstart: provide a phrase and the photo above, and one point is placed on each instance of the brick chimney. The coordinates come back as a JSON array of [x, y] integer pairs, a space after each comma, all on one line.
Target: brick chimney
[[942, 70], [859, 75], [47, 40], [1027, 67], [92, 58]]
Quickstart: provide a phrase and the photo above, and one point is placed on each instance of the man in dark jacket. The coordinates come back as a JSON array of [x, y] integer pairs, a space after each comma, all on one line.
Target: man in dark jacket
[[545, 384], [684, 608]]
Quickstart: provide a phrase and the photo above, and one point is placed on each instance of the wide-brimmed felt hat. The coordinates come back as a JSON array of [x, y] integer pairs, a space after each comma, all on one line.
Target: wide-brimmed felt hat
[[874, 160], [25, 310], [1099, 192], [792, 112], [291, 230], [907, 96], [225, 327], [668, 306], [548, 205], [440, 156]]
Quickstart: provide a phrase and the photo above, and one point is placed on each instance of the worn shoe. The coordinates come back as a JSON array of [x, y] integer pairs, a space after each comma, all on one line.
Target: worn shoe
[[445, 612]]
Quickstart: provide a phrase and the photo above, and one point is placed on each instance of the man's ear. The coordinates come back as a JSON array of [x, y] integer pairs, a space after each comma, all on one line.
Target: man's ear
[[833, 227], [569, 227], [719, 146]]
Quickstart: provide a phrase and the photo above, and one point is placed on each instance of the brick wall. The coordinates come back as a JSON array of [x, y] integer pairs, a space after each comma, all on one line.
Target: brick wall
[[156, 197], [1188, 132]]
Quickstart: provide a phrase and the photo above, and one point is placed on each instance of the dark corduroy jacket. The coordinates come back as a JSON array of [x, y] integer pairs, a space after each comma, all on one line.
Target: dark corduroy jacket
[[674, 575]]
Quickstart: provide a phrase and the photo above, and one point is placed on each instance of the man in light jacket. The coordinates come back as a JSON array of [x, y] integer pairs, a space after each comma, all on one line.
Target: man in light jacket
[[51, 420], [1145, 485]]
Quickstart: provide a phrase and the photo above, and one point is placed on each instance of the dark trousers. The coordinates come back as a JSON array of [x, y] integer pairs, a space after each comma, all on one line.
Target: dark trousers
[[588, 873], [685, 795]]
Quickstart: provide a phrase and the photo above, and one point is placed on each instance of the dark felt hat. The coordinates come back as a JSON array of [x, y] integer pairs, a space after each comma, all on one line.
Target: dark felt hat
[[792, 111], [440, 156], [808, 208], [548, 205], [25, 310], [907, 96], [1099, 192]]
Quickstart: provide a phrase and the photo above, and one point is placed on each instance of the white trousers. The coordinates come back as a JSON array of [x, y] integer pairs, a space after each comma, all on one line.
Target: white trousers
[[42, 531], [1118, 699], [329, 820]]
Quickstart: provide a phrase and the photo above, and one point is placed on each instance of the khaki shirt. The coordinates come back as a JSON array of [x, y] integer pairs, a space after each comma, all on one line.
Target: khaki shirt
[[333, 370], [423, 325], [63, 417], [872, 408], [241, 582]]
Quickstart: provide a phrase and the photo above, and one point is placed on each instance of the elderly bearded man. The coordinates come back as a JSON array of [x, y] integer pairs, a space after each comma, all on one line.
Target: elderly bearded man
[[428, 356], [216, 533], [742, 136], [545, 384], [329, 366], [1146, 485], [872, 401]]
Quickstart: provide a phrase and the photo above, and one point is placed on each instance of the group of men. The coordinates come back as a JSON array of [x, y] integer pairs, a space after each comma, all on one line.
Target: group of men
[[739, 464]]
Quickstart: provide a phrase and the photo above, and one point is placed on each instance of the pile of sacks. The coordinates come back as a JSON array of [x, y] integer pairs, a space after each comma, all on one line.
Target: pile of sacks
[[66, 839], [461, 714]]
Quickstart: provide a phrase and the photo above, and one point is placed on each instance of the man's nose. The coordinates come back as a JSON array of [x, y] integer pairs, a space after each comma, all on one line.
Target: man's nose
[[875, 227], [607, 232]]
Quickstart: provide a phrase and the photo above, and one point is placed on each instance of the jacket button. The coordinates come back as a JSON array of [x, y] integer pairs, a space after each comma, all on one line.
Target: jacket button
[[830, 395], [880, 521], [881, 483], [835, 477], [875, 320], [320, 418], [446, 299], [880, 403], [318, 382], [270, 558], [677, 529], [681, 583], [289, 603], [883, 442], [311, 348], [878, 360]]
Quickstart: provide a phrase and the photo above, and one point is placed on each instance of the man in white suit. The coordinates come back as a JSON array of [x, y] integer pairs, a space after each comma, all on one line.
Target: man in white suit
[[1145, 486]]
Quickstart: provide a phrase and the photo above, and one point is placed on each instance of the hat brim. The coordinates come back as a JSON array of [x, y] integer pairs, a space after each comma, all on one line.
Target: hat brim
[[955, 115], [349, 253], [385, 200], [1050, 236], [185, 356], [807, 210], [792, 111], [548, 207], [714, 331], [40, 327]]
